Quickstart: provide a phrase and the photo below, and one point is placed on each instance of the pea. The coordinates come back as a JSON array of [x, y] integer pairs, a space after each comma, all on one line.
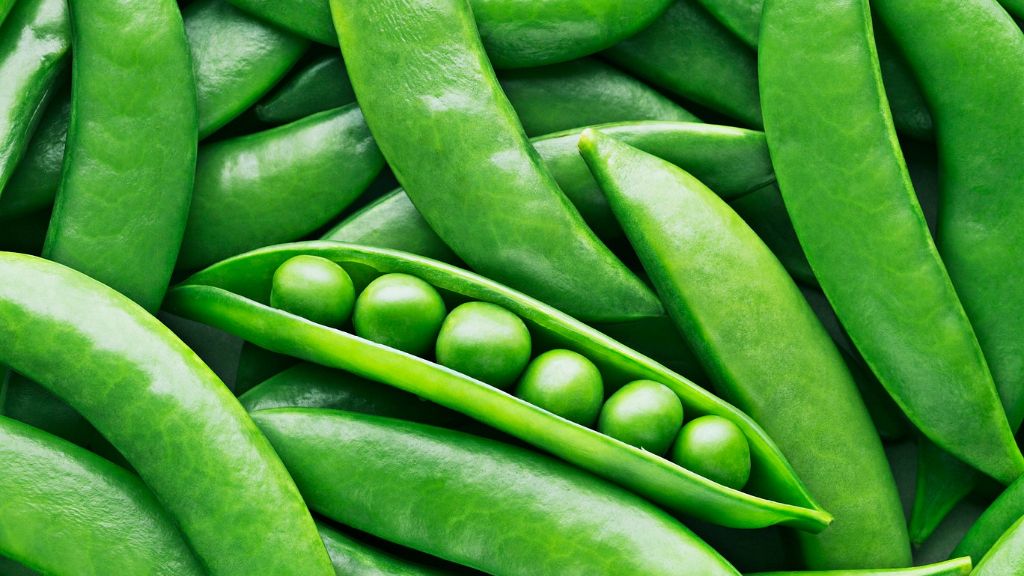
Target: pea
[[563, 383], [714, 448], [484, 341], [400, 311], [643, 413], [314, 288]]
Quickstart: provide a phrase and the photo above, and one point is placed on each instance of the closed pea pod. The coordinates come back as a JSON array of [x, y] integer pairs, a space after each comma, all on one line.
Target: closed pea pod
[[996, 520], [1006, 557], [320, 85], [354, 558], [35, 181], [5, 7], [955, 567]]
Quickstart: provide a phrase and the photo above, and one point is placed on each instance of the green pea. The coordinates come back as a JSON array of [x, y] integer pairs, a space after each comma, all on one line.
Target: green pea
[[314, 288], [484, 341], [563, 383], [714, 448], [400, 311], [643, 413]]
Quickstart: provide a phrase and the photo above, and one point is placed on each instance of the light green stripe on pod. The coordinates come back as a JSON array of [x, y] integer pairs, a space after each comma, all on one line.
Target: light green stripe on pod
[[889, 287], [546, 517], [173, 420], [231, 295], [277, 185], [955, 567], [69, 512], [34, 44], [762, 346]]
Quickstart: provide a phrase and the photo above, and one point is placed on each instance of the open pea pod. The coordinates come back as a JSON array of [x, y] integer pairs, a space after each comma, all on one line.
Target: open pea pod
[[232, 295]]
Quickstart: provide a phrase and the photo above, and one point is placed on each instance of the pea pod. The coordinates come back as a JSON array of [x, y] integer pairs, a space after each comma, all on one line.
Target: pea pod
[[321, 85], [1014, 7], [764, 211], [509, 28], [5, 8], [955, 567], [35, 181], [772, 357], [247, 193], [67, 511], [973, 50], [1006, 557], [550, 518], [453, 141], [237, 58], [232, 296], [165, 411], [908, 322], [354, 558], [132, 137], [688, 53], [997, 519], [34, 45]]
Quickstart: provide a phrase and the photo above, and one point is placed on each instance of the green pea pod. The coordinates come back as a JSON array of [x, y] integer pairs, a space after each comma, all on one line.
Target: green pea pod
[[764, 211], [516, 34], [688, 52], [550, 518], [1006, 557], [232, 296], [863, 231], [249, 193], [771, 357], [1014, 7], [34, 44], [132, 137], [955, 567], [35, 181], [237, 58], [453, 141], [67, 511], [974, 50], [167, 413], [741, 17], [321, 85], [353, 558], [997, 519], [5, 8]]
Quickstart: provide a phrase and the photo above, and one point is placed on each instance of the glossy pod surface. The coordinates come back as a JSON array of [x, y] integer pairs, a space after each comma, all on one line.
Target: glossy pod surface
[[544, 516], [132, 137], [165, 411], [277, 185], [69, 512], [509, 28], [773, 359], [352, 558], [231, 296], [34, 43], [955, 567], [453, 141], [908, 324]]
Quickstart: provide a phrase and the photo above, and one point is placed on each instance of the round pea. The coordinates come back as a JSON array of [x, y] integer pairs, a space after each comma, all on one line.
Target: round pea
[[400, 311], [314, 288], [564, 383], [643, 413], [484, 341], [714, 448]]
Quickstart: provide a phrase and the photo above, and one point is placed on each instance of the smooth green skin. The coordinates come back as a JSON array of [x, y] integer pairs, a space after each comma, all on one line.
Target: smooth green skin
[[452, 139], [997, 519], [400, 311], [689, 53], [741, 17], [353, 558], [546, 517], [582, 93], [564, 383], [320, 85], [5, 8], [942, 481], [484, 341], [645, 414], [509, 29], [955, 567], [35, 181], [169, 415], [237, 59], [66, 511], [762, 346], [765, 212], [315, 288], [313, 386], [34, 45], [131, 147], [889, 287], [1006, 557], [715, 448], [277, 185], [232, 295], [974, 49]]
